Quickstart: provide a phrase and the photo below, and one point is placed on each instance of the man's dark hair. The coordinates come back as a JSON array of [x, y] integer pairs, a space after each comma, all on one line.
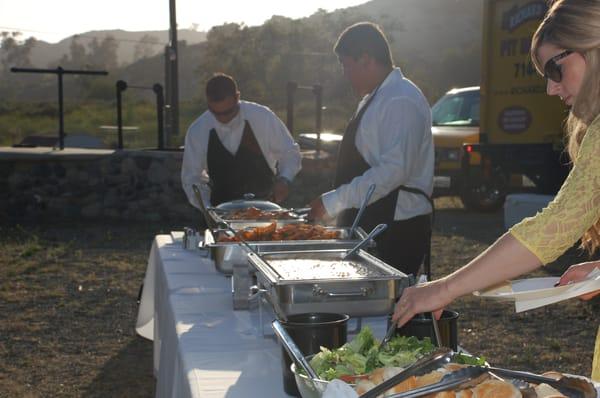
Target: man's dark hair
[[220, 86], [364, 38]]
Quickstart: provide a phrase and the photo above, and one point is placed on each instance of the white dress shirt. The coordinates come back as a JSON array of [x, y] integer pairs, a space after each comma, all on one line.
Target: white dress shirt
[[277, 145], [394, 137]]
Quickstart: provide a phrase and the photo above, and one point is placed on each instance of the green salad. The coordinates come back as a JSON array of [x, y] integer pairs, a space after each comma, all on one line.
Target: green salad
[[362, 355]]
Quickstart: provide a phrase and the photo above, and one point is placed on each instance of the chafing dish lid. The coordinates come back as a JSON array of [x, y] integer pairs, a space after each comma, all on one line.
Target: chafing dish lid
[[245, 203]]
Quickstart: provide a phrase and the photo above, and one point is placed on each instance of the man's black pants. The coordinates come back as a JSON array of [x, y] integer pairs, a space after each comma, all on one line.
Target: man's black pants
[[404, 243]]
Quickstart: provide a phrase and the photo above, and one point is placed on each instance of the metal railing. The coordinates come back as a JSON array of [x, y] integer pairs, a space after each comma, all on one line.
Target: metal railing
[[160, 105], [60, 72]]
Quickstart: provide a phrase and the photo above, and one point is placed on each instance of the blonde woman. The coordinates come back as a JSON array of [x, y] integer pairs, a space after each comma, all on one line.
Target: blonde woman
[[566, 50]]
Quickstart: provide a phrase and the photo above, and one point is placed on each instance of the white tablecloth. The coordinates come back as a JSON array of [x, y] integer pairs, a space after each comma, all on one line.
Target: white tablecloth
[[202, 348]]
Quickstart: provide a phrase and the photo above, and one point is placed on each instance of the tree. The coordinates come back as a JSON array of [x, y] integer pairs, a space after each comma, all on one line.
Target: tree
[[146, 47], [103, 54], [77, 57], [15, 52]]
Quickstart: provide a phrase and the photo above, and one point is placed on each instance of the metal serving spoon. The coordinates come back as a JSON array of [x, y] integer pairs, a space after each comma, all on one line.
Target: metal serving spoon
[[363, 206], [376, 231]]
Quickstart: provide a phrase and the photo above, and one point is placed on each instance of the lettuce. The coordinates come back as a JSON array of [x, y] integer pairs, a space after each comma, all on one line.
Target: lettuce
[[362, 355]]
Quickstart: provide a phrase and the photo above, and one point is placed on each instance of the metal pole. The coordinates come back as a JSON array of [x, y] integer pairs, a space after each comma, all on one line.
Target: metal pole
[[61, 116], [291, 88], [167, 94], [121, 86], [160, 104], [318, 90], [173, 58]]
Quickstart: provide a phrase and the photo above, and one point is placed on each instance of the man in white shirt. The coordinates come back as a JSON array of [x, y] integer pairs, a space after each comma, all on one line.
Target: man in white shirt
[[388, 143], [237, 147]]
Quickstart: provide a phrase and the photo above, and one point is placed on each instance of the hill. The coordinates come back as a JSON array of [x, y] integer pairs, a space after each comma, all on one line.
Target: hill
[[436, 42], [47, 55]]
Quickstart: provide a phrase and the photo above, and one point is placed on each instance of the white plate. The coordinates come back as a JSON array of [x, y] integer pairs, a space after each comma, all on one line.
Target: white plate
[[527, 289]]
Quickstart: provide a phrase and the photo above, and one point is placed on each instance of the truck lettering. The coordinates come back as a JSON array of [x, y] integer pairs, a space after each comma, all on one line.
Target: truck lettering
[[517, 16], [514, 119], [534, 89], [524, 69], [525, 45], [508, 47]]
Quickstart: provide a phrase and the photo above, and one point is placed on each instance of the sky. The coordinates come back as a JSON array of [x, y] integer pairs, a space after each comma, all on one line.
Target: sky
[[54, 20]]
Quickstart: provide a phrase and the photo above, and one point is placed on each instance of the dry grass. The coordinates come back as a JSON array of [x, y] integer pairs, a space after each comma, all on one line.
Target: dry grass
[[68, 308]]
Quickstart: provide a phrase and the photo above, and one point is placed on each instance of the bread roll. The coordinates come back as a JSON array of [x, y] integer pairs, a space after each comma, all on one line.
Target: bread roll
[[464, 394], [443, 394], [377, 376], [495, 389], [406, 385], [363, 386], [545, 391], [429, 378]]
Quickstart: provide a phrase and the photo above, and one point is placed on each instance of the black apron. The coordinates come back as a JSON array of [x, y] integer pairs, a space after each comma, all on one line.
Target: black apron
[[351, 164], [232, 176]]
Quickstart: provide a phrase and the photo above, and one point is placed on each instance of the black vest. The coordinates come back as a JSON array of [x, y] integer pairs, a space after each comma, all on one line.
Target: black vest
[[350, 164], [231, 176]]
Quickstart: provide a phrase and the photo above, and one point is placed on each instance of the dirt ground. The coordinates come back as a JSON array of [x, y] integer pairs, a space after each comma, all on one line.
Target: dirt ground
[[68, 308]]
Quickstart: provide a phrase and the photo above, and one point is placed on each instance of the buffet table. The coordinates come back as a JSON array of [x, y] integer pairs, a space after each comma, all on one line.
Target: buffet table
[[202, 348]]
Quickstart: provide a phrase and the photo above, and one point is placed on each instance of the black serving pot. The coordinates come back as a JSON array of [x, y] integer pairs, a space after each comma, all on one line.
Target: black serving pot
[[421, 326], [310, 331]]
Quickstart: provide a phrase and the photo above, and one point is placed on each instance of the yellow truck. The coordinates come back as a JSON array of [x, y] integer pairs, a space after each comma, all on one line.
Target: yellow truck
[[520, 128]]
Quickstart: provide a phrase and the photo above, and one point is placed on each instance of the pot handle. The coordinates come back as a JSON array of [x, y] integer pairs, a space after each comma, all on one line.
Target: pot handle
[[319, 291]]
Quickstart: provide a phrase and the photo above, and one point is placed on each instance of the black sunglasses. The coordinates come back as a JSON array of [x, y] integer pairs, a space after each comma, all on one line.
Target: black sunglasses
[[552, 70]]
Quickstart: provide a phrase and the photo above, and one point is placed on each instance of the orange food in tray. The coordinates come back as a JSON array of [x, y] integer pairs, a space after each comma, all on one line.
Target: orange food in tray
[[287, 232]]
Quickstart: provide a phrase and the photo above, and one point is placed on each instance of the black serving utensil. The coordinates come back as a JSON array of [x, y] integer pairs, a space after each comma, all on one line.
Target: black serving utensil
[[434, 360], [462, 378], [572, 387], [210, 222]]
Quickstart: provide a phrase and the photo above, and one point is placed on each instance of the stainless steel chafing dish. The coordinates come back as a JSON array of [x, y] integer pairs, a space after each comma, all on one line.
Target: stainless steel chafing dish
[[226, 254], [223, 211], [299, 282], [221, 215]]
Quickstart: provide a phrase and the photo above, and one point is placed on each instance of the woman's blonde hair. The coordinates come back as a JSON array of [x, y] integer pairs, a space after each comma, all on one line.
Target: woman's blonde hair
[[575, 25]]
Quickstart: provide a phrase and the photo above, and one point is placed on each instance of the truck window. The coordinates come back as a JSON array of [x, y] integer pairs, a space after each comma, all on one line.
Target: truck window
[[459, 109]]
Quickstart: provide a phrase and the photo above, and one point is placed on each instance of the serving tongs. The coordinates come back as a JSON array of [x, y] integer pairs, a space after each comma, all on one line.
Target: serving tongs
[[210, 222], [394, 324], [458, 380], [571, 386], [376, 231], [363, 206], [426, 364]]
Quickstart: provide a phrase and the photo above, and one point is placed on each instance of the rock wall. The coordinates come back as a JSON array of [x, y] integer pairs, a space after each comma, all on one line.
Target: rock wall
[[117, 185]]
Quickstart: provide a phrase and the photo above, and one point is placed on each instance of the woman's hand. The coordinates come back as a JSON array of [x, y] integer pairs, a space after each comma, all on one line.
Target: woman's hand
[[428, 297], [578, 272]]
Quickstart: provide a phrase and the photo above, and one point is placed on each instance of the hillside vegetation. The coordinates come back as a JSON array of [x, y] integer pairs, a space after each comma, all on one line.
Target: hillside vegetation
[[437, 44]]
